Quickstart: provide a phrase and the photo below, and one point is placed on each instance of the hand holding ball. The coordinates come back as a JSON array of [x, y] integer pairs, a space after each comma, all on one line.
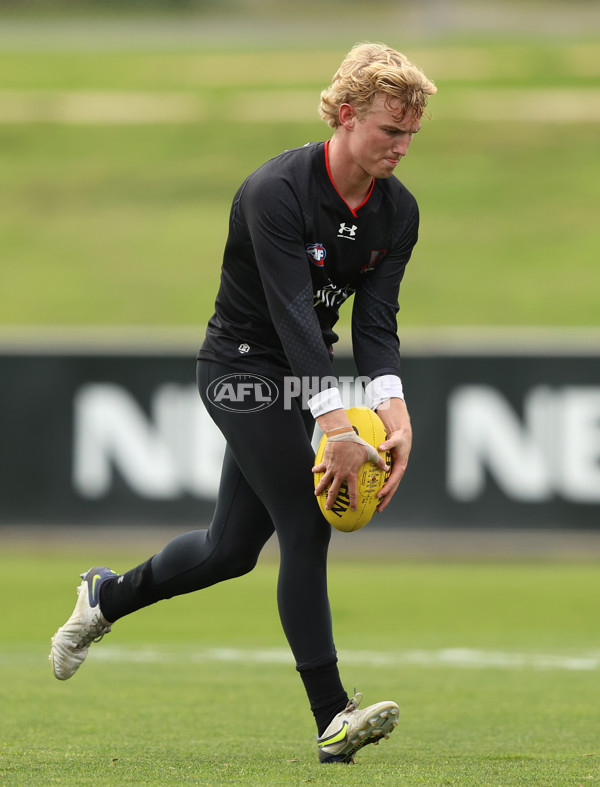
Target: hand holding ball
[[371, 478]]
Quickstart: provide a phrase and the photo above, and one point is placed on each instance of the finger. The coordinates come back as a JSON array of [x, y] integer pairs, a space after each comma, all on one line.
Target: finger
[[376, 458], [384, 502], [352, 491], [373, 455], [321, 487], [332, 494], [393, 481], [395, 440], [388, 490], [386, 493], [323, 483], [382, 465]]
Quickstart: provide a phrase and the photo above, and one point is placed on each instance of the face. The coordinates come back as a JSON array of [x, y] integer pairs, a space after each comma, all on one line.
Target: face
[[380, 140]]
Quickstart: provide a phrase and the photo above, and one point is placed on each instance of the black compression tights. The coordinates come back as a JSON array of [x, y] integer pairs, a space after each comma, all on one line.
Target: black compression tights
[[266, 485]]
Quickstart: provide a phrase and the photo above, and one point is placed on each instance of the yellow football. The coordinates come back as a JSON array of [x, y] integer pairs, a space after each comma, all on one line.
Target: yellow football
[[368, 425]]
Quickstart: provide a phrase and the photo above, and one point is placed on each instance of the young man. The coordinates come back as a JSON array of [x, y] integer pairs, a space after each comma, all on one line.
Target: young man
[[307, 229]]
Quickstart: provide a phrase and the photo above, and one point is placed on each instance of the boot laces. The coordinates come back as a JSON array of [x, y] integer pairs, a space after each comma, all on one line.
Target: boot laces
[[355, 701], [91, 633]]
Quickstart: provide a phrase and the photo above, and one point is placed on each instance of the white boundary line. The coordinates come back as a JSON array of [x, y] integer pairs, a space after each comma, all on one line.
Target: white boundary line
[[462, 658], [446, 657]]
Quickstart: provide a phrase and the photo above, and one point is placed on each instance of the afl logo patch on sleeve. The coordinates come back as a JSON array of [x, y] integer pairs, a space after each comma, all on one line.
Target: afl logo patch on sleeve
[[316, 253]]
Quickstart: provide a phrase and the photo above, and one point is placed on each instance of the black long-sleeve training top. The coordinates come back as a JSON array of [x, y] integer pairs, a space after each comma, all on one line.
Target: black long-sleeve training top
[[295, 252]]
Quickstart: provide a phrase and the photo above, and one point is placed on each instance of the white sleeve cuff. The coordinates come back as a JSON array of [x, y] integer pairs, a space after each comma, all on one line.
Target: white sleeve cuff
[[388, 386], [325, 402]]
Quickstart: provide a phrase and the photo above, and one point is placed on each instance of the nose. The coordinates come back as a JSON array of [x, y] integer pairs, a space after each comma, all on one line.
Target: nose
[[402, 144]]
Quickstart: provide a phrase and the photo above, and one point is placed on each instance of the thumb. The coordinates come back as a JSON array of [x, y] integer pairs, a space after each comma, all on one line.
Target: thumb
[[374, 456]]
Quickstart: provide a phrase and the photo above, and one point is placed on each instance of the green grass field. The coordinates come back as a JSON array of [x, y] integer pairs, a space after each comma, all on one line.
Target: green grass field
[[118, 164], [117, 170], [494, 665]]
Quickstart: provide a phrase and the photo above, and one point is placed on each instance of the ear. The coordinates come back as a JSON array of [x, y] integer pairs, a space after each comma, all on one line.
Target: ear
[[347, 116]]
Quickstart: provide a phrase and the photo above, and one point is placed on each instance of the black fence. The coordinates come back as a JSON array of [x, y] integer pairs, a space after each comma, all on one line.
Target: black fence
[[500, 440]]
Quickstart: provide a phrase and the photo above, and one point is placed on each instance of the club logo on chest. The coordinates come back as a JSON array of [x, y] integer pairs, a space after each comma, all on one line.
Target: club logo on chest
[[316, 253]]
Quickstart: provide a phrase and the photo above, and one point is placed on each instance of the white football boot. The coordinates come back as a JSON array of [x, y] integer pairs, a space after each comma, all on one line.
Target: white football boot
[[86, 625], [352, 729]]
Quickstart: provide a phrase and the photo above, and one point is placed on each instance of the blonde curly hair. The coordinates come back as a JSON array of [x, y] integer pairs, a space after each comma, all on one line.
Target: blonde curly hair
[[369, 69]]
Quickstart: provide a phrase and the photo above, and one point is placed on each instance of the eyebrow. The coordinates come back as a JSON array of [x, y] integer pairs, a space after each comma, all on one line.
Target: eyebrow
[[387, 127]]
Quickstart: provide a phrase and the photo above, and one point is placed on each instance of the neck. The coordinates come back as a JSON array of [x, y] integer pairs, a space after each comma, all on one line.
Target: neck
[[351, 181]]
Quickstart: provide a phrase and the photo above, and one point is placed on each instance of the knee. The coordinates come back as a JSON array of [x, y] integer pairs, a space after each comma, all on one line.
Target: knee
[[231, 564], [303, 557], [239, 565], [312, 537]]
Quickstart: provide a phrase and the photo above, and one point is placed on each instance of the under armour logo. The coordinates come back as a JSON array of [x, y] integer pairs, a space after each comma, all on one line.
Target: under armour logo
[[347, 232], [244, 348]]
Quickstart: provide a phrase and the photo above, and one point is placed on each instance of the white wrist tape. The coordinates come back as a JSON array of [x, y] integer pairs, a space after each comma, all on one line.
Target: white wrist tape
[[352, 437], [325, 402], [388, 386]]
